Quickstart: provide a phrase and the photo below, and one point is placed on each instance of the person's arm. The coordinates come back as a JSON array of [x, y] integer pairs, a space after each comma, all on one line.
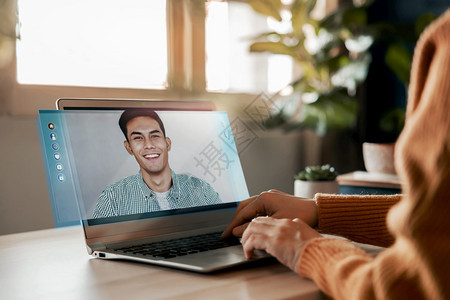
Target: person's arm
[[417, 265], [360, 218]]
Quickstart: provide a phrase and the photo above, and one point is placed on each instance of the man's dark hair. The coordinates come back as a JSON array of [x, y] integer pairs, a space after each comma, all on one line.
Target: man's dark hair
[[130, 114]]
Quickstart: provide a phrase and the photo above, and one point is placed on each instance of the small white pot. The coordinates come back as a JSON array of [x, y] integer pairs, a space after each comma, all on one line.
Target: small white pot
[[379, 158], [308, 189]]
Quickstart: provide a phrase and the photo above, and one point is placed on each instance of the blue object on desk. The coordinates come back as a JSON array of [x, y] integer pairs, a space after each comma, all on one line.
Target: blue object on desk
[[364, 183], [365, 190]]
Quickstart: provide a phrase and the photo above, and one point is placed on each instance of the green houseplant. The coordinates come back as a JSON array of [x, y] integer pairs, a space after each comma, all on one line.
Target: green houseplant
[[333, 56], [317, 173], [333, 53], [401, 42], [316, 179]]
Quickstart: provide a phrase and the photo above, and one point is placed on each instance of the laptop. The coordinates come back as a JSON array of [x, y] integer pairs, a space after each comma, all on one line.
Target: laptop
[[85, 158]]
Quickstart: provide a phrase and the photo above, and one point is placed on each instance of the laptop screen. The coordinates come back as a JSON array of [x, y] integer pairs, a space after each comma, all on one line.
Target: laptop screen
[[186, 162]]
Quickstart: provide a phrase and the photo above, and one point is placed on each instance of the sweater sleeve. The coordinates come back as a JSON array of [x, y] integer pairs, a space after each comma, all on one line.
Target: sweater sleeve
[[417, 264], [359, 218]]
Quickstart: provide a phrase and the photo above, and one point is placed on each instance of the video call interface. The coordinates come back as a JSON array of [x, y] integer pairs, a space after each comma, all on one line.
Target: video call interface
[[92, 176]]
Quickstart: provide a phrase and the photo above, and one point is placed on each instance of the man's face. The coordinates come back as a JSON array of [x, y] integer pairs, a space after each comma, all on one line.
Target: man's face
[[147, 143]]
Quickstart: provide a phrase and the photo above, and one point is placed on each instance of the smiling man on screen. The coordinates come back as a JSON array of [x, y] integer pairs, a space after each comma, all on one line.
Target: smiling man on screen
[[156, 187]]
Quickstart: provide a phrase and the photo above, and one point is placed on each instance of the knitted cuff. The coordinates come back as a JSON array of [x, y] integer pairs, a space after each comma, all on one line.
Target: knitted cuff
[[321, 255], [361, 218]]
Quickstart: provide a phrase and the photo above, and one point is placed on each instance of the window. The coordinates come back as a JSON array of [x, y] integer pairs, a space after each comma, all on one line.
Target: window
[[230, 67], [131, 44], [104, 43]]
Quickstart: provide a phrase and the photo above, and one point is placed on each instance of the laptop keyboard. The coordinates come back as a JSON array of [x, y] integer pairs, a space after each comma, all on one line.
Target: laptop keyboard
[[182, 246]]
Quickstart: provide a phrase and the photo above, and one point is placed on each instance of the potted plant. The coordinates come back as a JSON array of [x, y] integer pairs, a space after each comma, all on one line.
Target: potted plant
[[333, 56], [316, 179]]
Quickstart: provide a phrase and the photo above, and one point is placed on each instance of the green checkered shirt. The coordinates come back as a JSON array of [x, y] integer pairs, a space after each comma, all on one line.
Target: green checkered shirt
[[131, 195]]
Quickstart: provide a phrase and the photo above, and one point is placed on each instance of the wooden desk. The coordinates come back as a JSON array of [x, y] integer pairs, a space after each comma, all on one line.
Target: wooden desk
[[54, 264]]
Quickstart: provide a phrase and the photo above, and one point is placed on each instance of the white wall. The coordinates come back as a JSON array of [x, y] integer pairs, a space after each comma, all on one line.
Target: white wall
[[24, 199]]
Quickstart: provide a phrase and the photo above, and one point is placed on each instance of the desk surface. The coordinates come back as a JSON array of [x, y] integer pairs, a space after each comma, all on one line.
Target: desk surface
[[54, 264]]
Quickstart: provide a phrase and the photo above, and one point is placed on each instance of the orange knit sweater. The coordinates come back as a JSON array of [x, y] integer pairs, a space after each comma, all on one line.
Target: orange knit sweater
[[417, 264]]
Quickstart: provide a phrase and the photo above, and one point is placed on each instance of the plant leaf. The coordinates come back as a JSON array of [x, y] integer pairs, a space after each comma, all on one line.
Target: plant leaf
[[393, 120], [352, 74], [398, 58], [301, 10], [354, 16], [337, 111], [272, 47], [423, 21], [269, 8]]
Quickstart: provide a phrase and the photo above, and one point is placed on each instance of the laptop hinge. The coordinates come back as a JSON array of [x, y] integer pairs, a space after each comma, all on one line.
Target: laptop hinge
[[95, 246]]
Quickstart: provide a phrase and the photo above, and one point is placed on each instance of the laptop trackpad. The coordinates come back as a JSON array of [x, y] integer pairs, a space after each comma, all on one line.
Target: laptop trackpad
[[215, 259]]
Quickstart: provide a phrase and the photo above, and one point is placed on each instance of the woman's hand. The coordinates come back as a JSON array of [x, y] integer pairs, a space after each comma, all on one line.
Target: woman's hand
[[274, 204], [281, 238]]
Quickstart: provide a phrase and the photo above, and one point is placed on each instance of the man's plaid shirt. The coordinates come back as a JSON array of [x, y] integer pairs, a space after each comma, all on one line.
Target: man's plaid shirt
[[131, 195]]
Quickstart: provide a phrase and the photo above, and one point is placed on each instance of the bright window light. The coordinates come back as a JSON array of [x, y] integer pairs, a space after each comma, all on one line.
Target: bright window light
[[230, 66], [279, 72], [217, 46], [103, 43]]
